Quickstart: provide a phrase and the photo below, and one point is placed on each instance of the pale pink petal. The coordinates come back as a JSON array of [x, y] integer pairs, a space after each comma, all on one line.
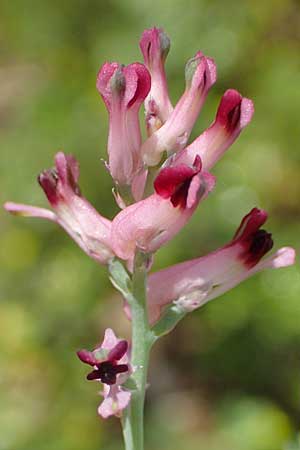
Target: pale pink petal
[[110, 340], [285, 256], [19, 209], [138, 184], [115, 401]]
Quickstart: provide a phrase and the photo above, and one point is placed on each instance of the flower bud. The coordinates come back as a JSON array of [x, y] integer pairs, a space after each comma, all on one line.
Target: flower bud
[[200, 75], [234, 113], [123, 90], [155, 46]]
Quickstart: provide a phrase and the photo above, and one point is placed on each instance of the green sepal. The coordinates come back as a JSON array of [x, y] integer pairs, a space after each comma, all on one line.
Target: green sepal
[[130, 384], [173, 314], [120, 278]]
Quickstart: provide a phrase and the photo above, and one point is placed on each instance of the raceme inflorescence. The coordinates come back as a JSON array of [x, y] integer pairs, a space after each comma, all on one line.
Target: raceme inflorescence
[[158, 184]]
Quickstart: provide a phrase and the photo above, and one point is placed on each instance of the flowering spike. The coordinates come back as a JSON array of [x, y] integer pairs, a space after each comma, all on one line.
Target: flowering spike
[[234, 114], [155, 46], [150, 223], [173, 135], [73, 212], [111, 367], [192, 283], [123, 90]]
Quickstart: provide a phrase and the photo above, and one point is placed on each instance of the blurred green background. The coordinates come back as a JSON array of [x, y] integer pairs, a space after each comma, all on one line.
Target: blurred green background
[[229, 376]]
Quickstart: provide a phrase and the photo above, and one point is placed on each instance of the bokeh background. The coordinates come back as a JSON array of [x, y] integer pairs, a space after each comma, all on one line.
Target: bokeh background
[[229, 376]]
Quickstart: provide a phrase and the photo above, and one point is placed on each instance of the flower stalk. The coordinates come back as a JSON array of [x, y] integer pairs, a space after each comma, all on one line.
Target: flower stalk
[[142, 341]]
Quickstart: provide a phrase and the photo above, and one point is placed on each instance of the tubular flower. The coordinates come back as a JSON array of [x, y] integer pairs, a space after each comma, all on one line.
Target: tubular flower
[[123, 90], [152, 222], [110, 362], [193, 283], [200, 75], [155, 46], [72, 212], [234, 114]]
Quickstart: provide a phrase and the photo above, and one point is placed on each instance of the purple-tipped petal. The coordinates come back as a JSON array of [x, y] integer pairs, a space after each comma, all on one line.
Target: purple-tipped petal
[[234, 114], [152, 222], [250, 223], [192, 283], [73, 212], [155, 46], [123, 90], [200, 75]]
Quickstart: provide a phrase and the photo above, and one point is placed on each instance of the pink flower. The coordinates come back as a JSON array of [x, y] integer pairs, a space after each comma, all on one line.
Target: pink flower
[[111, 367], [123, 90], [192, 283], [152, 222], [155, 46], [73, 212], [234, 114], [200, 75]]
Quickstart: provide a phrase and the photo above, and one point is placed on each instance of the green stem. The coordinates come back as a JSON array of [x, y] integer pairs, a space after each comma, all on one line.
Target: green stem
[[142, 340]]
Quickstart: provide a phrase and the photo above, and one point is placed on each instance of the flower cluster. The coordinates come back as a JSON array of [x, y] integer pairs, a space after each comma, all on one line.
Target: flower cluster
[[152, 213]]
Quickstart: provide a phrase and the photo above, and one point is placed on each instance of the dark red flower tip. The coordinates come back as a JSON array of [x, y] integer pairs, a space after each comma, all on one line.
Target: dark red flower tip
[[118, 351], [139, 77], [229, 111], [107, 372], [255, 242], [174, 182], [87, 357], [250, 224], [67, 169], [56, 181], [257, 245], [48, 180], [104, 76]]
